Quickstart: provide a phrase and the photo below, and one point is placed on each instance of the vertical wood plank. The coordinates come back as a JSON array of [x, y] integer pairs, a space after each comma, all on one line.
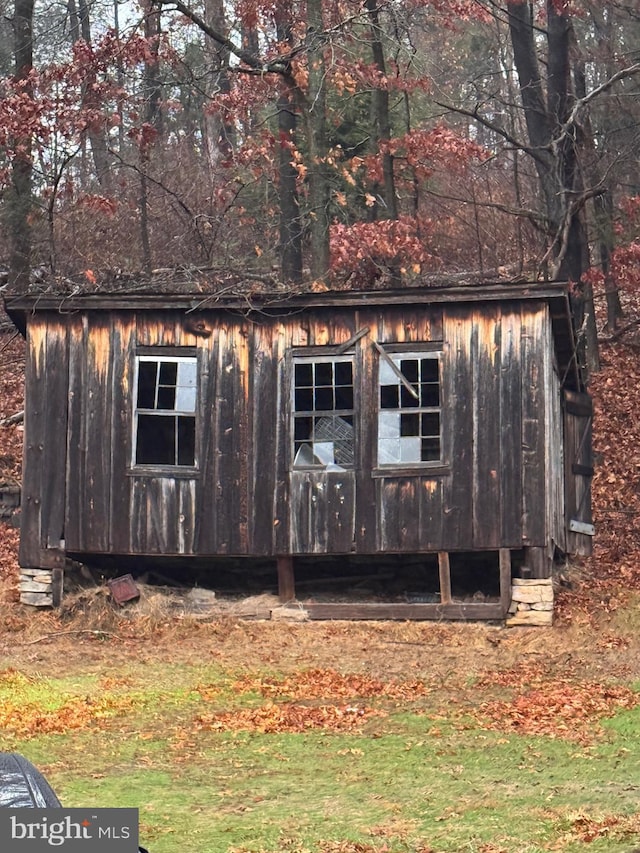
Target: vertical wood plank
[[534, 473], [286, 579], [431, 514], [511, 481], [206, 523], [366, 398], [457, 417], [505, 579], [487, 506], [231, 431], [34, 434], [97, 434], [54, 461], [388, 514], [76, 443], [122, 405], [444, 571], [263, 451]]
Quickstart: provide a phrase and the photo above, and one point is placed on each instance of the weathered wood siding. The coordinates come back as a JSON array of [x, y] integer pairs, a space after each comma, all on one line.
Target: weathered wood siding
[[499, 412], [578, 465], [44, 479]]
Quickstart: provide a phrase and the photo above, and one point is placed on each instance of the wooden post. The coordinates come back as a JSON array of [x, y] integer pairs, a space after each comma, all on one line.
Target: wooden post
[[445, 577], [286, 580], [505, 579]]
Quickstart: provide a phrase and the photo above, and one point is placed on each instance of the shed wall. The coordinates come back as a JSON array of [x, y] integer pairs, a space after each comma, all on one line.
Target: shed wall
[[497, 381]]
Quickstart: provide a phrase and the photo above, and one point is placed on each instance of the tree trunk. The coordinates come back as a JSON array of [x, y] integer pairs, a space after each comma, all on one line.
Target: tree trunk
[[152, 91], [19, 195], [380, 112], [290, 222], [219, 132], [319, 195], [80, 28]]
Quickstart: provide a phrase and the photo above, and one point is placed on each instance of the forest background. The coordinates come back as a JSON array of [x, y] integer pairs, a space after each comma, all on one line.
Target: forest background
[[326, 143]]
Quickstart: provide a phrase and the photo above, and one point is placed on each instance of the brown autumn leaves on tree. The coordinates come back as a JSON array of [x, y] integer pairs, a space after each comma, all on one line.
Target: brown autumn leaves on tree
[[340, 142]]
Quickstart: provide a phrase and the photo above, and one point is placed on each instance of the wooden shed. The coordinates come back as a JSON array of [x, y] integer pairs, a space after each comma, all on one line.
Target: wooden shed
[[440, 432]]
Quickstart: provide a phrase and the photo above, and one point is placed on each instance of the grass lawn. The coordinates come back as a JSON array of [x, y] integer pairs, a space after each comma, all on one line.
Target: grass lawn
[[374, 755]]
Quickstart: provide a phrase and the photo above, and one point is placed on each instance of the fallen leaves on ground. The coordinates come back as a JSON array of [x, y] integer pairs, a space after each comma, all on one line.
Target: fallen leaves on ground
[[288, 717], [329, 684], [584, 828], [570, 711], [29, 719]]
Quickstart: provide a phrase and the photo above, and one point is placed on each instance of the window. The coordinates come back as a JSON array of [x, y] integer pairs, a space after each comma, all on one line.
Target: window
[[165, 419], [409, 427], [323, 412]]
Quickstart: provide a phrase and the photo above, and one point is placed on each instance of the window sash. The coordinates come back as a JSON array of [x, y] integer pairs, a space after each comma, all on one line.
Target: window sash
[[164, 424], [323, 412], [409, 419]]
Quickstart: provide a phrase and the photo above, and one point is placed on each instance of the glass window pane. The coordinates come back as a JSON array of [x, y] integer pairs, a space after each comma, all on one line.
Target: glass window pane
[[156, 440], [431, 423], [344, 397], [324, 452], [430, 449], [386, 375], [303, 375], [407, 400], [188, 373], [344, 373], [388, 451], [168, 372], [409, 368], [430, 394], [429, 370], [324, 399], [410, 450], [186, 441], [303, 429], [389, 425], [147, 373], [389, 396], [166, 398], [304, 400], [410, 424], [186, 399], [324, 373]]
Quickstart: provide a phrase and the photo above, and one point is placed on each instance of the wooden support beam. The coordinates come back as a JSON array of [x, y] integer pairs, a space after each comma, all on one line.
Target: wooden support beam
[[445, 577], [286, 579], [378, 610], [505, 579]]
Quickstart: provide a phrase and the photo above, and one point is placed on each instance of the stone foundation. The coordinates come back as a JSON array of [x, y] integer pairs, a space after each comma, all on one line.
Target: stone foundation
[[40, 587], [531, 602]]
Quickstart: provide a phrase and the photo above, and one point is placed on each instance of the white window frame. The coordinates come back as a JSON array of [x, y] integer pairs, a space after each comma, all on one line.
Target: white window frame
[[184, 408], [408, 448], [334, 453]]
